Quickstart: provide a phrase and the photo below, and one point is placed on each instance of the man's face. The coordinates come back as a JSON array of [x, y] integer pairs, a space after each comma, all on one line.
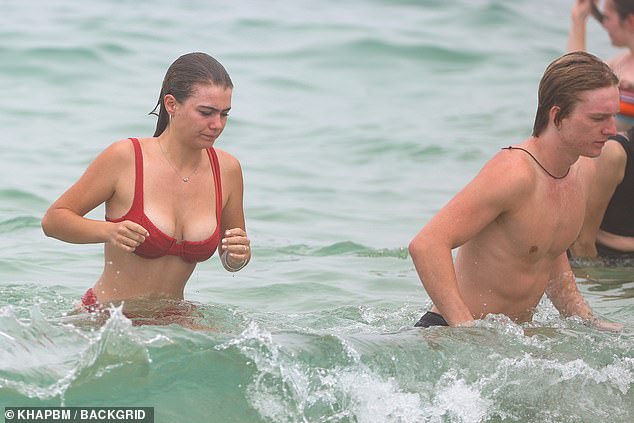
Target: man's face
[[591, 121]]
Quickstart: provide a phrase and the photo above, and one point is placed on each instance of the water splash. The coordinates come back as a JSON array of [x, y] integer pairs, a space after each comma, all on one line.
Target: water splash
[[30, 353], [288, 387]]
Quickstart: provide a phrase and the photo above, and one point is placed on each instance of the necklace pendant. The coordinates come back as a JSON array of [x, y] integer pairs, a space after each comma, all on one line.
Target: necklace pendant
[[186, 179]]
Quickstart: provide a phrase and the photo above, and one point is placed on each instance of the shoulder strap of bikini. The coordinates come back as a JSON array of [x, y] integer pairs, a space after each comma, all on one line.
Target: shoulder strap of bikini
[[215, 168], [138, 169]]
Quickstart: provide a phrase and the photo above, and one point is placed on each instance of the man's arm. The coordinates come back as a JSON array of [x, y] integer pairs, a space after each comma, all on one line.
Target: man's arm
[[563, 293], [601, 175], [498, 187]]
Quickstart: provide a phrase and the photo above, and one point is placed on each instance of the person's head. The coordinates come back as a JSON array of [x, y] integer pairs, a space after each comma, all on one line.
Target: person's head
[[618, 20], [187, 74], [623, 7], [564, 82]]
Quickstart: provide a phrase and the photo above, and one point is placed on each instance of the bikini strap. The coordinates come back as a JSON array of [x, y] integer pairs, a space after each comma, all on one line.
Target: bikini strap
[[215, 168], [137, 201]]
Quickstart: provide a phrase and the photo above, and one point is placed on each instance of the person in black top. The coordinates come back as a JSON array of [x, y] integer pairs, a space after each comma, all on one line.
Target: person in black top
[[608, 229]]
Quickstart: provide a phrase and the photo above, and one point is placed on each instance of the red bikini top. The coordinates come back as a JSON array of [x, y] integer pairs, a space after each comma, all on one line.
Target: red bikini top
[[159, 244]]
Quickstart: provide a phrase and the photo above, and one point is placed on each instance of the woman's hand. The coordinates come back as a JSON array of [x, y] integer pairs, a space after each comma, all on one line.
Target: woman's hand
[[236, 249], [581, 9], [126, 235]]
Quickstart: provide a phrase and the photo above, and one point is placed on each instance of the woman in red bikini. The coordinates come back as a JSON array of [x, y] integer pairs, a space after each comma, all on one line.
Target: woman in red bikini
[[170, 199]]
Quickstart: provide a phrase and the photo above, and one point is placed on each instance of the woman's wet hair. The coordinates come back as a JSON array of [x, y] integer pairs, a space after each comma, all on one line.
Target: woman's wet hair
[[624, 8], [563, 81], [182, 76]]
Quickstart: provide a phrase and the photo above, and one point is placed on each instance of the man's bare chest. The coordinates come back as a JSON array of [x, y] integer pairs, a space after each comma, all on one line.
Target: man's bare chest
[[547, 223]]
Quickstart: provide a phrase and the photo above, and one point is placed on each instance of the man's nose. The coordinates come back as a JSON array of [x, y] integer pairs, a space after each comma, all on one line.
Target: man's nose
[[611, 128]]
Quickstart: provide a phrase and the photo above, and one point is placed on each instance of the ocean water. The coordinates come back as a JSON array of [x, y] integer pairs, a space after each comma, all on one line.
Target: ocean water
[[355, 121]]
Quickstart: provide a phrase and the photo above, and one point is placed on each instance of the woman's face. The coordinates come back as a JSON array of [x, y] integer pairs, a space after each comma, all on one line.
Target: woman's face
[[202, 116], [613, 24]]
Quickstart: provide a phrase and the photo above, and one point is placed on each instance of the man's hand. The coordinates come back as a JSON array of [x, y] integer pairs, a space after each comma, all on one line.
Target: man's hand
[[605, 325]]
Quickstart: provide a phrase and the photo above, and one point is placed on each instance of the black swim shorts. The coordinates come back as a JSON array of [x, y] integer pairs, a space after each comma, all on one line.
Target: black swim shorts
[[431, 319]]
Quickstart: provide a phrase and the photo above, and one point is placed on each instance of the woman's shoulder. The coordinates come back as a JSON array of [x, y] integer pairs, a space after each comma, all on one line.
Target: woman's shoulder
[[616, 62], [120, 148], [117, 154], [614, 152], [227, 161]]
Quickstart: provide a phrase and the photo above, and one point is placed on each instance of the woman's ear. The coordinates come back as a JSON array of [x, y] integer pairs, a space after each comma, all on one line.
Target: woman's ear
[[170, 103]]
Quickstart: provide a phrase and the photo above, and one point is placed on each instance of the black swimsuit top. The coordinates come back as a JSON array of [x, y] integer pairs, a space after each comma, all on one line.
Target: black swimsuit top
[[619, 216]]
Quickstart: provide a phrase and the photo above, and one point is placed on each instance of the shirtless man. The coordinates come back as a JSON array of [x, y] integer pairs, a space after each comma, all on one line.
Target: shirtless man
[[514, 221]]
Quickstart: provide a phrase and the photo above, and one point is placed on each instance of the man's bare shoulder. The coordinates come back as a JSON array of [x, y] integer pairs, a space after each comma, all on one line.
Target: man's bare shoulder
[[510, 171], [502, 185]]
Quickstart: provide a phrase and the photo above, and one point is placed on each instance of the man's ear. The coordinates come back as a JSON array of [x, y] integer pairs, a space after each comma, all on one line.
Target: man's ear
[[553, 116]]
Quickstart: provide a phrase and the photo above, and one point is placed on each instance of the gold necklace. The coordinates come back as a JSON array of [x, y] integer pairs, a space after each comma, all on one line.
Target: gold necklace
[[184, 178]]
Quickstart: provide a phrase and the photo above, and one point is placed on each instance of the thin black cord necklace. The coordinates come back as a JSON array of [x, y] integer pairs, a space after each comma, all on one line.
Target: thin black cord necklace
[[537, 161]]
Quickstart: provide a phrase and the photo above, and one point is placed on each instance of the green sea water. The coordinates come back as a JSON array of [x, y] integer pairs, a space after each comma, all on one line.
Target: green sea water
[[354, 121]]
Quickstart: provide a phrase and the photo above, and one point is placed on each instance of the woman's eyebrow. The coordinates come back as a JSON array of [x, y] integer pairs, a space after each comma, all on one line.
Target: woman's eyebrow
[[215, 109]]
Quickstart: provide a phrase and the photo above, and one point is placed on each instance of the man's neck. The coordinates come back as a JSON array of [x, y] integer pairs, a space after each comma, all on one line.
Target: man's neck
[[552, 153]]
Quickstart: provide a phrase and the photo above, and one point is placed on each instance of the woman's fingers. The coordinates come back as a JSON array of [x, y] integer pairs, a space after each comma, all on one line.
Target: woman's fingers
[[129, 235], [237, 244]]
